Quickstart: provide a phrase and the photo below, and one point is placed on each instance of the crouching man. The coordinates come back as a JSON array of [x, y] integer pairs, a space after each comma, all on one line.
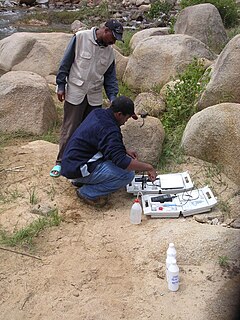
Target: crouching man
[[95, 157]]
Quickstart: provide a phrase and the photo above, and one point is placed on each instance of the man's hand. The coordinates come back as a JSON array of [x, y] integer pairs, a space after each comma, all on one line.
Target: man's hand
[[152, 174], [132, 154], [61, 95]]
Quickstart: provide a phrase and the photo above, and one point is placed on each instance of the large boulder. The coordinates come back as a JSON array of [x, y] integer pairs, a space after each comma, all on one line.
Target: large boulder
[[25, 103], [121, 63], [157, 59], [145, 136], [213, 135], [37, 52], [203, 22], [225, 77], [143, 34]]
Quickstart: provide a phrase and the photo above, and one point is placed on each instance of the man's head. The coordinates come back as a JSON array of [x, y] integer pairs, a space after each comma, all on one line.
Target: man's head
[[112, 31], [123, 109], [116, 29]]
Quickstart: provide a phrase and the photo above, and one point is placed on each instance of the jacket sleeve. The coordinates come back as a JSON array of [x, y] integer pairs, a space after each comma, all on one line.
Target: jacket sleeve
[[110, 82], [66, 64], [112, 148]]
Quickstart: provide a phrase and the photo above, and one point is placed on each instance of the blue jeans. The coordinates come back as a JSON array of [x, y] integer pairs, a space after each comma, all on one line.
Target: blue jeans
[[105, 178]]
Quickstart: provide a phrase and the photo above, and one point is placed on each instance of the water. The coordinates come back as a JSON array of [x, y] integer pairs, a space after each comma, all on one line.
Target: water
[[7, 20], [10, 17]]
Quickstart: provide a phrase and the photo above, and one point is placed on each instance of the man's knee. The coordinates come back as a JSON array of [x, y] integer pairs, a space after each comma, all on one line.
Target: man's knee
[[129, 176]]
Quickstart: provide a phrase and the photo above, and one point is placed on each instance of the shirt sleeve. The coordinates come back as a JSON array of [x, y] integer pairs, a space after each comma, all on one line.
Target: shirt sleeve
[[66, 64], [112, 148], [110, 82]]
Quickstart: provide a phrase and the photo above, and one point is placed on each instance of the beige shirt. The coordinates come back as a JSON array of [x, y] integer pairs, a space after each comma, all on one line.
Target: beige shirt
[[87, 71]]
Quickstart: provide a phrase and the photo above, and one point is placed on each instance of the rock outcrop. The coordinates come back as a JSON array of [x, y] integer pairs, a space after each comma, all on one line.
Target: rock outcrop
[[225, 77], [36, 52], [213, 135], [25, 103], [146, 137], [203, 22], [157, 59]]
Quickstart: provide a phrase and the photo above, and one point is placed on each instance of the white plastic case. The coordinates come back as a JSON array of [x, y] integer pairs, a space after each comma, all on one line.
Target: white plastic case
[[165, 183], [186, 203]]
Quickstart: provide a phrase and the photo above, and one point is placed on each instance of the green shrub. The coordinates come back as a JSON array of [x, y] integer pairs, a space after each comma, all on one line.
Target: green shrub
[[125, 46], [227, 9], [158, 7], [180, 100], [180, 106]]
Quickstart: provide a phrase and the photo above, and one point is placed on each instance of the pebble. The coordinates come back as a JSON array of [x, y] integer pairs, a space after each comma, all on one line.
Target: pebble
[[76, 294]]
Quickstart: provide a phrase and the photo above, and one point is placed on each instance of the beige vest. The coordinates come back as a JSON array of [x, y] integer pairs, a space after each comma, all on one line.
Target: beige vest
[[87, 70]]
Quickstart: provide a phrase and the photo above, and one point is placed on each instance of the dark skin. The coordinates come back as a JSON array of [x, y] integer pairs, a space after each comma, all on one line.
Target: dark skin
[[106, 38], [135, 165]]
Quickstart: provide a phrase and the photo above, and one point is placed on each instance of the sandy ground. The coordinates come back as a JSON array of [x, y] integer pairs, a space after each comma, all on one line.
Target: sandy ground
[[96, 265]]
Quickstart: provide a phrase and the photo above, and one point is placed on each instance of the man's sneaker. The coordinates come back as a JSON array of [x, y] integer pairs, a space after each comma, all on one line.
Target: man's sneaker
[[76, 184], [99, 202]]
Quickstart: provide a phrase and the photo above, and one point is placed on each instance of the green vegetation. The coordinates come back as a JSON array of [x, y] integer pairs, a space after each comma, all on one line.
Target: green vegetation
[[26, 235], [158, 7], [223, 261], [124, 90], [10, 196], [125, 47], [227, 8], [232, 32], [181, 105], [84, 14], [171, 25], [224, 207], [32, 195]]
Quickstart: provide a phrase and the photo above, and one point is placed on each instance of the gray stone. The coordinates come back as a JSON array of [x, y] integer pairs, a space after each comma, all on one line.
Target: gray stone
[[225, 77], [235, 224], [203, 22], [213, 135], [157, 59], [150, 103], [37, 52], [145, 136], [25, 103]]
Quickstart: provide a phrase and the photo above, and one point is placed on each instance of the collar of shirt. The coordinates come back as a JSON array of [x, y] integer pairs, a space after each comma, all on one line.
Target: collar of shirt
[[95, 38]]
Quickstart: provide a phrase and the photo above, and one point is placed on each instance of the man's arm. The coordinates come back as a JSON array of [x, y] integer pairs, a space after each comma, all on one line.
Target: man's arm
[[64, 68], [136, 165], [110, 82]]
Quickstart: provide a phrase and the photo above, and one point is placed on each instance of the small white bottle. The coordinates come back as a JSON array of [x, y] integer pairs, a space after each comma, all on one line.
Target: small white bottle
[[136, 212], [170, 260], [171, 251], [173, 276]]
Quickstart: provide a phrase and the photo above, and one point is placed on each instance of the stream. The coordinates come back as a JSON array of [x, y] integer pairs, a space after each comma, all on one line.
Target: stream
[[10, 17]]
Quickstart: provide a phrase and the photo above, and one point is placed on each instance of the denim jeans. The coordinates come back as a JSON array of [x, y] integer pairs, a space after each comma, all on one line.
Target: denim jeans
[[105, 178]]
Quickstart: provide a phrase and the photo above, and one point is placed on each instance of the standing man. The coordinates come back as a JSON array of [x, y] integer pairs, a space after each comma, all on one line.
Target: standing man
[[88, 65], [96, 158]]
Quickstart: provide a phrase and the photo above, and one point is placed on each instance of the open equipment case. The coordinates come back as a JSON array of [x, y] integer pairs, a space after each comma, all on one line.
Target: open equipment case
[[172, 205], [165, 183]]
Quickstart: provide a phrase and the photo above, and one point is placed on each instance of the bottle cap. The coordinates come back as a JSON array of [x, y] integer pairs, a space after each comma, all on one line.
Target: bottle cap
[[136, 200]]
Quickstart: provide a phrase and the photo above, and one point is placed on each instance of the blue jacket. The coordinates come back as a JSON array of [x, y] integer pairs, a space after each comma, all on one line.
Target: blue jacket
[[97, 139]]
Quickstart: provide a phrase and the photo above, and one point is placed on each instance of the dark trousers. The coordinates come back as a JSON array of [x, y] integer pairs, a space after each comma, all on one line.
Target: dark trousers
[[72, 118]]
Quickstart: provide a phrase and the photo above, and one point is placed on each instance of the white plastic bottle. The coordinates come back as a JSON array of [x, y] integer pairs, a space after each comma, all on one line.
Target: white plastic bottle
[[171, 251], [136, 212], [170, 260], [173, 276]]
